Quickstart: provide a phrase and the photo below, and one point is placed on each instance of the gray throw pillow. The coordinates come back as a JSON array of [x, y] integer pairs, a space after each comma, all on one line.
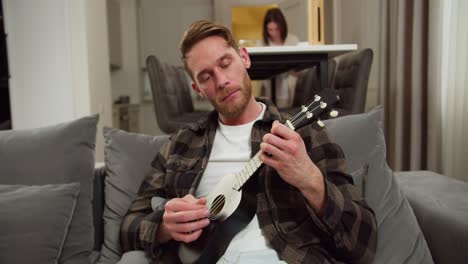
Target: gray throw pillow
[[34, 221], [56, 154], [400, 239], [128, 158], [358, 135]]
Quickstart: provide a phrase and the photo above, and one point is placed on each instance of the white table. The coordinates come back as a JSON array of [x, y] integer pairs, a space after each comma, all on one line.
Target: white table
[[267, 62]]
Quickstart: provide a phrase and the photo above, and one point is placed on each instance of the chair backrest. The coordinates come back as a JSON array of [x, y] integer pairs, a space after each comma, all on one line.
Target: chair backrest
[[308, 84], [351, 79], [5, 125], [170, 89]]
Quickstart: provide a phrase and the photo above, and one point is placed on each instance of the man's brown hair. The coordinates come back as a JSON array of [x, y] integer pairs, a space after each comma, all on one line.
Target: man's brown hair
[[200, 30]]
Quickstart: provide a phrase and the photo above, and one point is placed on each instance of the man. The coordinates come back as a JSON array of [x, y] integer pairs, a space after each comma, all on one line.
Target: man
[[308, 210]]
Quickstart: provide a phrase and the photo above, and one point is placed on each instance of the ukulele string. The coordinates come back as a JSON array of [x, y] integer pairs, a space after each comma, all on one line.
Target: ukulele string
[[301, 115]]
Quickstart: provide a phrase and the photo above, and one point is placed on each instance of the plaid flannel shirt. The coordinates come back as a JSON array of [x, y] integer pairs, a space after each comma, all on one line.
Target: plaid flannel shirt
[[346, 232]]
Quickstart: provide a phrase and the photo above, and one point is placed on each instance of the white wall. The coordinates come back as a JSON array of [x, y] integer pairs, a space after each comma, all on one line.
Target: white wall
[[296, 13], [59, 62], [98, 67], [163, 24], [39, 48]]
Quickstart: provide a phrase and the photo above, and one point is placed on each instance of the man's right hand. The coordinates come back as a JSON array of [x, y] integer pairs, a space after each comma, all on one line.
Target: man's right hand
[[183, 219]]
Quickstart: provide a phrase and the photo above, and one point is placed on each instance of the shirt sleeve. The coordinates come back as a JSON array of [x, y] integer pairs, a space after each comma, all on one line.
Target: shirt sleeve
[[140, 225], [346, 218]]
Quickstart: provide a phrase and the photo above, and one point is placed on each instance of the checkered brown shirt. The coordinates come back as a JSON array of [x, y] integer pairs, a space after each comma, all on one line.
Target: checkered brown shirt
[[347, 232]]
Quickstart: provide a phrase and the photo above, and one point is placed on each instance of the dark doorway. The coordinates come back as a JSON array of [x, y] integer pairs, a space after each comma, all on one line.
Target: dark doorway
[[5, 113]]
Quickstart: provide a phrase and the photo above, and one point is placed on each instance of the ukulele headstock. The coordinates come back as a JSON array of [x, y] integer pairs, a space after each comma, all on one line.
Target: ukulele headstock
[[321, 105]]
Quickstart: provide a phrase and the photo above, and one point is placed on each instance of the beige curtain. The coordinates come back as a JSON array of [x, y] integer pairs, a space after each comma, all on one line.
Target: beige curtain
[[412, 122], [454, 86]]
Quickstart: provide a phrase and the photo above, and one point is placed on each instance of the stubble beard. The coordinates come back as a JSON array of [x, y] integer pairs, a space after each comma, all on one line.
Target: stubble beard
[[235, 109]]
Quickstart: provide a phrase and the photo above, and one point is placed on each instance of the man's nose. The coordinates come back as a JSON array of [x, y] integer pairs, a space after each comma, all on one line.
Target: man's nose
[[222, 79]]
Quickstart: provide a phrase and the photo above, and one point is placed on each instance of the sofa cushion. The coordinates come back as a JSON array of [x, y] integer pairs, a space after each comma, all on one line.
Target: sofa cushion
[[358, 135], [441, 207], [62, 153], [400, 239], [34, 221], [128, 158]]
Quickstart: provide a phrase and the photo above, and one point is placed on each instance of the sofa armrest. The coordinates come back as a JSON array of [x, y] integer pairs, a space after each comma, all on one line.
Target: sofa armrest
[[98, 205], [440, 204]]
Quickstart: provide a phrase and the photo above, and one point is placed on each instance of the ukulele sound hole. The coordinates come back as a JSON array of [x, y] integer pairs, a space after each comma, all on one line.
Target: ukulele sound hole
[[216, 206]]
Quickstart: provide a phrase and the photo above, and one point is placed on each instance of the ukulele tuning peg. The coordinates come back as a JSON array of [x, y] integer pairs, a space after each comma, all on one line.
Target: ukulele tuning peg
[[323, 105], [320, 123], [333, 113]]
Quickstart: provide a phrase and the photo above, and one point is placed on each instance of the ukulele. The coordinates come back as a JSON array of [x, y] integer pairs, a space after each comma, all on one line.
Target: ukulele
[[230, 210]]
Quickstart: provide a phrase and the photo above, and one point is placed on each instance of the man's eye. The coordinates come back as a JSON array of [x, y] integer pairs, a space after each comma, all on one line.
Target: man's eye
[[204, 77], [225, 63]]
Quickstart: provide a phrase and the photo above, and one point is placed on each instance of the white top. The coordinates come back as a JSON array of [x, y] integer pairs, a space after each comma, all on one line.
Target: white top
[[230, 153], [291, 40]]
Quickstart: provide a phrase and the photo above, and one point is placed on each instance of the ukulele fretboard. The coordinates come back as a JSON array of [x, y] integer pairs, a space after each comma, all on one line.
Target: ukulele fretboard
[[249, 169]]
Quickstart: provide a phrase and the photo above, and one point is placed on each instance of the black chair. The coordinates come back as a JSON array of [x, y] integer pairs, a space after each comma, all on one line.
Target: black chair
[[308, 85], [351, 80], [5, 125], [348, 74], [171, 96]]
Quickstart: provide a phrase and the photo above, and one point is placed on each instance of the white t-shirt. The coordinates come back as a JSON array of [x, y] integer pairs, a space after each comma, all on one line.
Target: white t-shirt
[[230, 153], [291, 40]]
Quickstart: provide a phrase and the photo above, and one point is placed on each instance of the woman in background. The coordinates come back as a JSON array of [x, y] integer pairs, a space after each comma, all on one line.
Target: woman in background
[[275, 33], [275, 29]]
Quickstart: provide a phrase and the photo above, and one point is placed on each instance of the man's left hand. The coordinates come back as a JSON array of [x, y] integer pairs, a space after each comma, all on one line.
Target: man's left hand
[[288, 156]]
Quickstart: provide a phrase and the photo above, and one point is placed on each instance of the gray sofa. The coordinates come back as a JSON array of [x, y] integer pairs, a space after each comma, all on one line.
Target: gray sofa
[[57, 207]]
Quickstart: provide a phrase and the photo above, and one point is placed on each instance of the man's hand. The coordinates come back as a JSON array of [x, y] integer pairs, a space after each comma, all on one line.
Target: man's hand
[[183, 219], [288, 156]]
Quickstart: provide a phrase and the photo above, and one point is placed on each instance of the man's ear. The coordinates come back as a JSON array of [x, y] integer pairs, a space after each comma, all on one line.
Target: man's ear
[[245, 57], [196, 89]]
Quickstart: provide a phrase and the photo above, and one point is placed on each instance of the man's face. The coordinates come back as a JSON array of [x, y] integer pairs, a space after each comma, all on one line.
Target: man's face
[[220, 75]]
